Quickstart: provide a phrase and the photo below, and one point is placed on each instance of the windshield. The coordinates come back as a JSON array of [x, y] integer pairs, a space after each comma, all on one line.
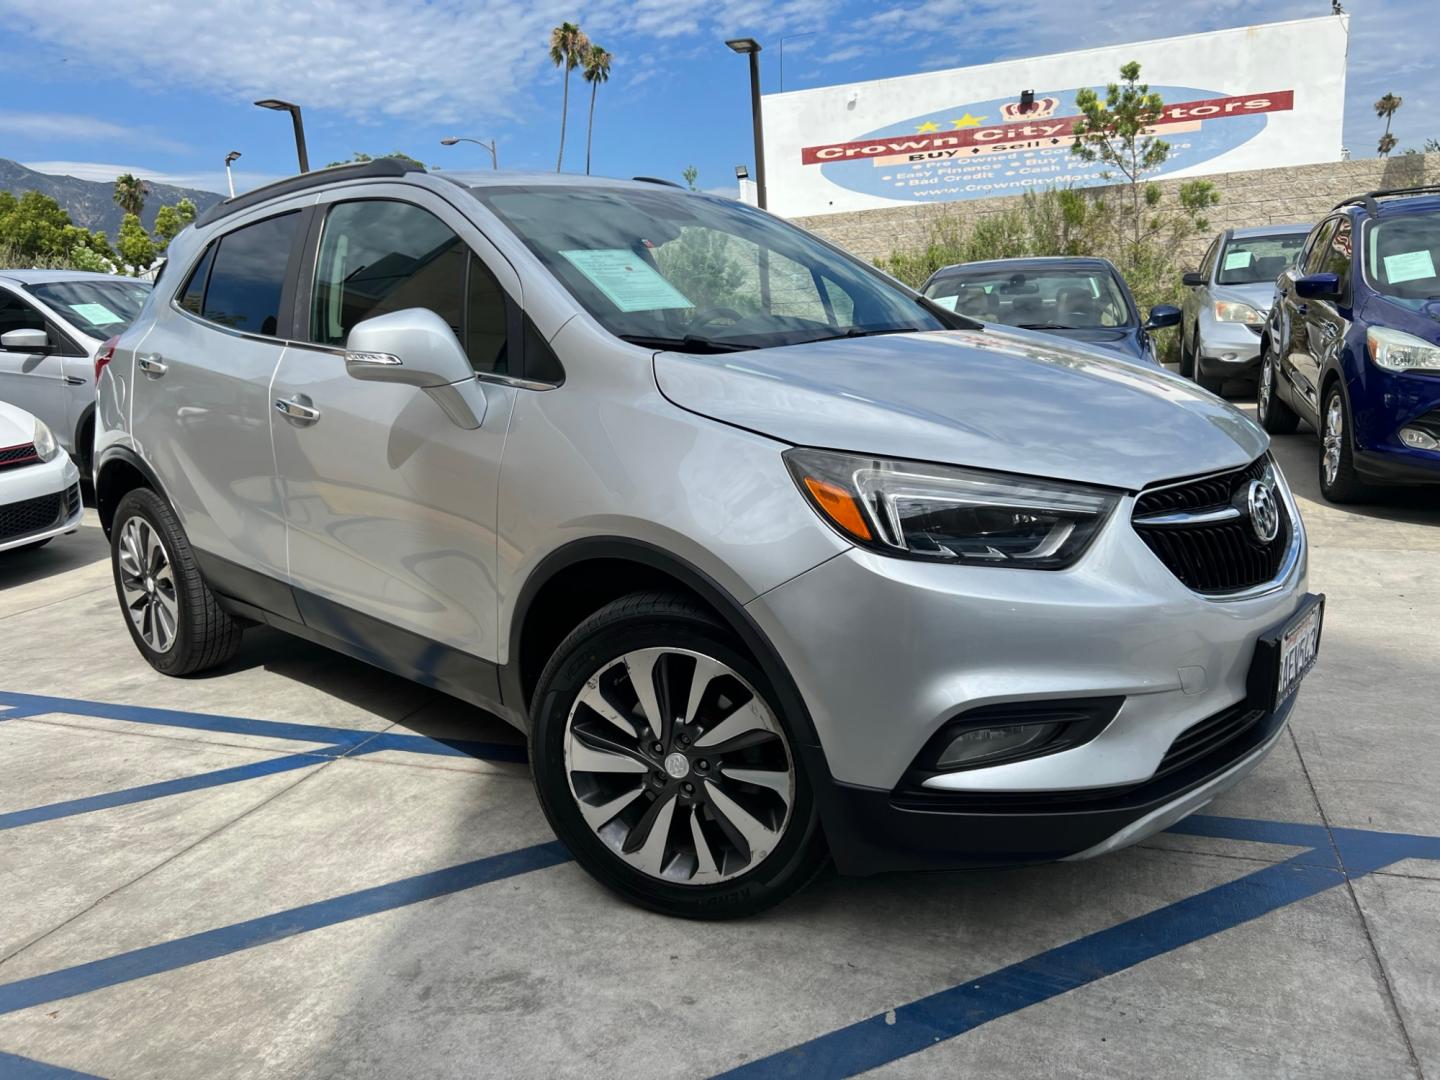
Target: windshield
[[1046, 299], [1402, 254], [98, 308], [1251, 260], [695, 273]]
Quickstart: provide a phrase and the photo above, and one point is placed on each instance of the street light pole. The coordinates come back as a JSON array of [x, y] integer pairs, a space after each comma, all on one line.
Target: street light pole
[[494, 154], [229, 178], [294, 111], [751, 47]]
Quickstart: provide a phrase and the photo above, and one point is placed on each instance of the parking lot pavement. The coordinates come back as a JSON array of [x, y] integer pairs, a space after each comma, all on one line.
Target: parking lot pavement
[[301, 866]]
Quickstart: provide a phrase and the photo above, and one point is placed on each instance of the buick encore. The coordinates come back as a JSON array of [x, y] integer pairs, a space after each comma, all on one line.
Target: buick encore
[[773, 559]]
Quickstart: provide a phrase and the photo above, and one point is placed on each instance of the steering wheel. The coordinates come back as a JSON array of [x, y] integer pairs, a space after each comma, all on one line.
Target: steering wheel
[[709, 315]]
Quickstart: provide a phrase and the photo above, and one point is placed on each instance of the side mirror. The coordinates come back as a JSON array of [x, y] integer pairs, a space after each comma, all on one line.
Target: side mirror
[[1192, 278], [417, 347], [1161, 316], [1318, 286], [26, 341]]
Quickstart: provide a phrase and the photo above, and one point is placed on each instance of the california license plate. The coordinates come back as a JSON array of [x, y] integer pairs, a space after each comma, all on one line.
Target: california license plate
[[1286, 654]]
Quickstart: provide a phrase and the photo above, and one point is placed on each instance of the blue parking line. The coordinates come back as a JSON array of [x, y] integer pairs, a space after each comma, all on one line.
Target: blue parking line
[[23, 705], [161, 789], [15, 1067], [209, 944], [921, 1024]]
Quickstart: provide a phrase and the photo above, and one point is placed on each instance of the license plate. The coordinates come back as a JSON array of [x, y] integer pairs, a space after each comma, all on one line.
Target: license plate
[[1284, 656]]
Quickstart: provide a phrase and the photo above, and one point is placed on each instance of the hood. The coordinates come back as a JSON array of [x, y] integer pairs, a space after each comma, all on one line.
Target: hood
[[16, 425], [1024, 404], [1257, 296]]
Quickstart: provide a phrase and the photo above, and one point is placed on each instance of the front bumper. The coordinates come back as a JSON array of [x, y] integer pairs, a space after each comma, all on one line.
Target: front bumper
[[1227, 350], [886, 651], [39, 501]]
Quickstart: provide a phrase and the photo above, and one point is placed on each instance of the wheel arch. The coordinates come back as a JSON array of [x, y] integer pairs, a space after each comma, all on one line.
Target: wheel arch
[[578, 579], [120, 470]]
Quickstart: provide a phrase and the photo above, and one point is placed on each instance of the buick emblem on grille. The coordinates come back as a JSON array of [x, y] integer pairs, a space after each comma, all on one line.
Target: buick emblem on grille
[[1264, 513]]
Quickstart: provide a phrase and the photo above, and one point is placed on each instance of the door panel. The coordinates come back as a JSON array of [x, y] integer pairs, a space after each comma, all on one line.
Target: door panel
[[390, 506], [33, 381], [201, 413]]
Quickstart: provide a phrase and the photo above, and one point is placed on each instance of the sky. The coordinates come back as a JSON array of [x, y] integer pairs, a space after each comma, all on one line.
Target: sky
[[164, 88]]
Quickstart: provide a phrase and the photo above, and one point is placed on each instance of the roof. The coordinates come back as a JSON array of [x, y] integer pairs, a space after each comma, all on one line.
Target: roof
[[1048, 262], [1272, 230], [41, 277]]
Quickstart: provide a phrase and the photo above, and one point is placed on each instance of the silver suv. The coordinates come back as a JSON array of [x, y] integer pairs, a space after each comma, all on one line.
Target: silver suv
[[771, 558]]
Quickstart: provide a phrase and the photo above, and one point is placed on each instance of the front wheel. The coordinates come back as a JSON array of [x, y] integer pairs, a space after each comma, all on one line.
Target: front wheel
[[661, 759], [1338, 480]]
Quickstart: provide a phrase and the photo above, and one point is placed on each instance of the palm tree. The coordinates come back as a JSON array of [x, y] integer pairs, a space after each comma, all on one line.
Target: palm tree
[[567, 44], [130, 193], [1386, 108], [597, 71]]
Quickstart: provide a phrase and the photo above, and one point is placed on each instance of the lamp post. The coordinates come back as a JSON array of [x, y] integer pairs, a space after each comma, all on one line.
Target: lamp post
[[294, 111], [750, 47], [229, 177], [494, 154]]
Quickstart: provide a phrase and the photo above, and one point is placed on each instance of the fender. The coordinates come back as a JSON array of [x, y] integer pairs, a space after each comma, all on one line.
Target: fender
[[110, 456]]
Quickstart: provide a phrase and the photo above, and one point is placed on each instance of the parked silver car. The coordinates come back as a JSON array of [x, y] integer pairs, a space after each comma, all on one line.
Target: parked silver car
[[52, 326], [770, 556], [1228, 298]]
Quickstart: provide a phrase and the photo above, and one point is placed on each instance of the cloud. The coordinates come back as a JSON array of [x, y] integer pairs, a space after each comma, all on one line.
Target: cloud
[[105, 172], [68, 127]]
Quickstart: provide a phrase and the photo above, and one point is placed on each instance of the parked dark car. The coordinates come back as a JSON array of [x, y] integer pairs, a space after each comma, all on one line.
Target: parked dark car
[[1083, 299], [1353, 343], [1228, 300]]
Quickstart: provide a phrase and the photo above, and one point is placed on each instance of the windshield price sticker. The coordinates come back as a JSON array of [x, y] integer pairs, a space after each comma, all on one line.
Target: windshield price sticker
[[1237, 260], [96, 314], [1409, 266], [627, 280]]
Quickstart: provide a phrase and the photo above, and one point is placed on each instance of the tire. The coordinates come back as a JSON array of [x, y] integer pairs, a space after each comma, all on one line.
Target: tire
[[173, 617], [1275, 416], [1187, 360], [1338, 480], [610, 816]]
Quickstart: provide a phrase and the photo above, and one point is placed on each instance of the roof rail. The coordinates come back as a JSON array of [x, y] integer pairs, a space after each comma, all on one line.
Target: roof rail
[[656, 180], [1372, 206], [378, 169]]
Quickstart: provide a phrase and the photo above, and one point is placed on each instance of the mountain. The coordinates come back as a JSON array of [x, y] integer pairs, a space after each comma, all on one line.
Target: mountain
[[90, 203]]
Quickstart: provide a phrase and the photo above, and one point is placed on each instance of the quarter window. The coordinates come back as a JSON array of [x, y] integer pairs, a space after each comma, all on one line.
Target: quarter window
[[248, 275], [192, 297]]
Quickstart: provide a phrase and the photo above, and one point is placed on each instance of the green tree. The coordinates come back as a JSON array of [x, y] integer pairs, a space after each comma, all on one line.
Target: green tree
[[1386, 108], [568, 44], [130, 193], [691, 174], [169, 220], [708, 273], [597, 71], [36, 231], [1117, 133], [134, 246], [360, 156]]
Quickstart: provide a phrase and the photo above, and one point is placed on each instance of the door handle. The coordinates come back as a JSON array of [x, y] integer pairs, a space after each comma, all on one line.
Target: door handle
[[73, 380], [298, 409], [152, 364]]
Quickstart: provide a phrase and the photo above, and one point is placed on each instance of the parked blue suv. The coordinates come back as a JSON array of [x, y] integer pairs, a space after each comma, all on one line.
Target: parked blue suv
[[1352, 344]]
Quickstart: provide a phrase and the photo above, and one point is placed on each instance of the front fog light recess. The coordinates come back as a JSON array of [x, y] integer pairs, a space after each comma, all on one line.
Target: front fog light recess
[[983, 743], [1419, 440]]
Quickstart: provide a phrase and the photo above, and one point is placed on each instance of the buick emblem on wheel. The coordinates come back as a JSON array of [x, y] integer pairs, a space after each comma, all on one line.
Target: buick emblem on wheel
[[1264, 514]]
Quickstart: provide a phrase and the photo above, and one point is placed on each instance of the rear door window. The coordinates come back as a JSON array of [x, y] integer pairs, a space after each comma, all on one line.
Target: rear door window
[[248, 277]]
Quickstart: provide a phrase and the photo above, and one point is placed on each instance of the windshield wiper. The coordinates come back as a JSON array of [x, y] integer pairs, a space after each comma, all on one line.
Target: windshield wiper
[[1051, 326], [689, 343], [858, 331]]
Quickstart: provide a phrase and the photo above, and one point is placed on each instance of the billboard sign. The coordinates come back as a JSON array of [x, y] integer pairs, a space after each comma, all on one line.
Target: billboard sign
[[1259, 97]]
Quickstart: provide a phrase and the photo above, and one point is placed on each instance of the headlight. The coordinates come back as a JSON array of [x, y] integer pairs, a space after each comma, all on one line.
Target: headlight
[[1234, 311], [949, 514], [1395, 351], [45, 445]]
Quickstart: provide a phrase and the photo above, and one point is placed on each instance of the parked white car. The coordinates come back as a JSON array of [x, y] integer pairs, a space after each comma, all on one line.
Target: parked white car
[[39, 485], [53, 324]]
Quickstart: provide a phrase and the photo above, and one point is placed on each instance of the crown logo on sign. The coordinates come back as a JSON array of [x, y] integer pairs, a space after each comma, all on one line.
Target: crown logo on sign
[[1013, 112]]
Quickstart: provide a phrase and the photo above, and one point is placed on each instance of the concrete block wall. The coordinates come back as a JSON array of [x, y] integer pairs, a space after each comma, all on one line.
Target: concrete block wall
[[1254, 197]]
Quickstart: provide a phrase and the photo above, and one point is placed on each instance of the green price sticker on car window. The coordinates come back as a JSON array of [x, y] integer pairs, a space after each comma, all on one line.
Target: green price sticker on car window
[[627, 280], [96, 314], [1237, 260], [1409, 266]]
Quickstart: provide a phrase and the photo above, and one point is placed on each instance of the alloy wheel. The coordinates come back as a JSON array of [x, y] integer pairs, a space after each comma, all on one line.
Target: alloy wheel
[[147, 580], [679, 767], [1333, 438], [1267, 383]]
